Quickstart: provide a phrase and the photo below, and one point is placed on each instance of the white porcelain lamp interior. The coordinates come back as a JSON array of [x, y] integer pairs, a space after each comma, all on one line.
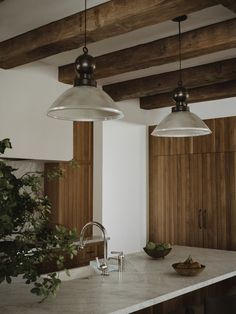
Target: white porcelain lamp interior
[[85, 101], [181, 122]]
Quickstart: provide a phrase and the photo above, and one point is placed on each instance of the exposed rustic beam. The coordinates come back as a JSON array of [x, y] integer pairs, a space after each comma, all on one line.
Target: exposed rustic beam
[[112, 18], [198, 94], [195, 43], [206, 74]]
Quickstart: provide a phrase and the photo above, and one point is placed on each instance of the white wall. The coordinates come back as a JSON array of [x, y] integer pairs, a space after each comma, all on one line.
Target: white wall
[[25, 95], [123, 207]]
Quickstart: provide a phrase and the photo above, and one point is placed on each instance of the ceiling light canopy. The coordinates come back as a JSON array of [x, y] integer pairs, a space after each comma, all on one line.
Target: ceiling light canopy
[[85, 101], [181, 122]]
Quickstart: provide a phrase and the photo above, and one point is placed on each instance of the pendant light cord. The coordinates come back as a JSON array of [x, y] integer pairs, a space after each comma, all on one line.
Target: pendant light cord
[[180, 83], [85, 49]]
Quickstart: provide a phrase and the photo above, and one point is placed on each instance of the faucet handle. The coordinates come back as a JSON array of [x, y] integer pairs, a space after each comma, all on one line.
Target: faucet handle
[[103, 267], [120, 259], [120, 253]]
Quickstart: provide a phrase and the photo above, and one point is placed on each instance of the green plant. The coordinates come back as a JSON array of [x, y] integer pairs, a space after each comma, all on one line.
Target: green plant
[[27, 239]]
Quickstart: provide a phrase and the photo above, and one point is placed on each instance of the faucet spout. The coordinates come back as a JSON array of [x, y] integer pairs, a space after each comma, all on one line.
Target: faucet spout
[[104, 266]]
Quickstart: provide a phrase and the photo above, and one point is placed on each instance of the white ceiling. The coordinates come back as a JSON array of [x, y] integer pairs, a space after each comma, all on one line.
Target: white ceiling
[[18, 16]]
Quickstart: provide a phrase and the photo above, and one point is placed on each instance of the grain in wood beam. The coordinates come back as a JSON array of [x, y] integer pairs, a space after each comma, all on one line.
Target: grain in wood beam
[[195, 43], [198, 94], [166, 82], [110, 19]]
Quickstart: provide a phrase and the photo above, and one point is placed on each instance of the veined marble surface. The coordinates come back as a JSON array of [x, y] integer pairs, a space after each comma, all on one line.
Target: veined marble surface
[[144, 282]]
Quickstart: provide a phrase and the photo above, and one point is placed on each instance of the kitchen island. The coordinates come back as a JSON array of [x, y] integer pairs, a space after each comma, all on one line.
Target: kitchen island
[[144, 283]]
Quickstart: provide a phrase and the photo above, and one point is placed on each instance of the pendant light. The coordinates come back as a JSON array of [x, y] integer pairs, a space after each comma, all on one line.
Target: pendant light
[[85, 101], [181, 122]]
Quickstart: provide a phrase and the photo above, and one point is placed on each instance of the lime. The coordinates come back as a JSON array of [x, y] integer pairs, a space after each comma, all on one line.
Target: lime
[[151, 246]]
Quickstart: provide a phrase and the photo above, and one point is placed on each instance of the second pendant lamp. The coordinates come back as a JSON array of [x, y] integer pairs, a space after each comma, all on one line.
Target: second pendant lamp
[[85, 101], [181, 122]]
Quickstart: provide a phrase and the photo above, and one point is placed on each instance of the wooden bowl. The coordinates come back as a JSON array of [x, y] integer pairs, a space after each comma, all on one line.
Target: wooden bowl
[[188, 271], [157, 254]]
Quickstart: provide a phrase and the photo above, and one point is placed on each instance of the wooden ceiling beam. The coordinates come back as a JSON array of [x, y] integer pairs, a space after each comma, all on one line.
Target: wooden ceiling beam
[[195, 43], [198, 94], [110, 19], [206, 74]]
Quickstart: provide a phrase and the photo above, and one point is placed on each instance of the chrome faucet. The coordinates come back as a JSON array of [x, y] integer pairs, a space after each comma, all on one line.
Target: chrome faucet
[[101, 266]]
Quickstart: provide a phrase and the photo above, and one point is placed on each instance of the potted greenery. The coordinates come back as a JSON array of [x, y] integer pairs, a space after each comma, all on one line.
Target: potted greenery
[[27, 239]]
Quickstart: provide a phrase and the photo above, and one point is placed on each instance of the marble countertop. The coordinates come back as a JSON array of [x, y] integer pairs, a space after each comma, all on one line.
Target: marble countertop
[[144, 282]]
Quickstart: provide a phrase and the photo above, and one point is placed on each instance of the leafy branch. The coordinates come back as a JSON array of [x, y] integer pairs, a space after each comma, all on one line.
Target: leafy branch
[[27, 238]]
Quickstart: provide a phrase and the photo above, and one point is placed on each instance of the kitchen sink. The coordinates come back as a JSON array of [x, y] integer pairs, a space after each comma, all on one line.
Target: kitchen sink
[[78, 273]]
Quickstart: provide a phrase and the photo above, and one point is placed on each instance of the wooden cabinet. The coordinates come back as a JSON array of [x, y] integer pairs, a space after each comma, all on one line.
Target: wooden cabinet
[[163, 198], [72, 194], [194, 300], [195, 235], [218, 210], [193, 195]]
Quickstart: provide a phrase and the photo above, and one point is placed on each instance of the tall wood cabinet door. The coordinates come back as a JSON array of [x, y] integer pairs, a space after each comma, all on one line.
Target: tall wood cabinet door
[[195, 227], [163, 199], [183, 200], [231, 200], [216, 180], [189, 200], [76, 196]]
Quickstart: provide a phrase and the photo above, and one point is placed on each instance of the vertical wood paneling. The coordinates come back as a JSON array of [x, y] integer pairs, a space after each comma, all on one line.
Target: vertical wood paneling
[[83, 141], [195, 235], [156, 198], [209, 200], [171, 222], [230, 134], [206, 143], [218, 199], [72, 194], [220, 134], [188, 175], [182, 199], [163, 199], [231, 200], [75, 206], [50, 187], [222, 228]]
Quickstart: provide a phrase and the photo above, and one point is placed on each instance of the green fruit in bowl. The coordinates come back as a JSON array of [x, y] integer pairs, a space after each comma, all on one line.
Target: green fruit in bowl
[[157, 246], [166, 246], [160, 247], [151, 246]]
